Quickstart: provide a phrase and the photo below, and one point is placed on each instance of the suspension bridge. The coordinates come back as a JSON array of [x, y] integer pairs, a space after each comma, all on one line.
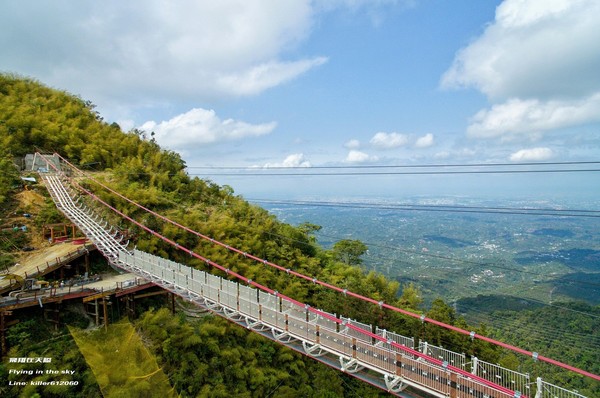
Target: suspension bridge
[[398, 364]]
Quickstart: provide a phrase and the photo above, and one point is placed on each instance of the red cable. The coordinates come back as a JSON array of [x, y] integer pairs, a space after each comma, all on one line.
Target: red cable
[[347, 292]]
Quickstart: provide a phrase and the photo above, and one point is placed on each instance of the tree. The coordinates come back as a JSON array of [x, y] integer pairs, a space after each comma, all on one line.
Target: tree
[[309, 229], [8, 175], [349, 251], [411, 297], [440, 311]]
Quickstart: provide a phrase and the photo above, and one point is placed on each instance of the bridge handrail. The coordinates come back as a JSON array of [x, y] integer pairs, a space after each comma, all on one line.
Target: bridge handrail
[[454, 358], [506, 377]]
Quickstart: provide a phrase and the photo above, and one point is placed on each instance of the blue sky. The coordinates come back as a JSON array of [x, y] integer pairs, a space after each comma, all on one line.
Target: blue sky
[[318, 83]]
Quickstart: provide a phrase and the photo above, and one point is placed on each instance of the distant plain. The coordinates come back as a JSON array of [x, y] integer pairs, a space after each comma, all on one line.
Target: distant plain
[[459, 255]]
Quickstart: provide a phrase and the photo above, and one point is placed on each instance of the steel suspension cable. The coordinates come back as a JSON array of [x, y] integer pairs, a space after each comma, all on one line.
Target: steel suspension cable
[[314, 280], [404, 166], [387, 173]]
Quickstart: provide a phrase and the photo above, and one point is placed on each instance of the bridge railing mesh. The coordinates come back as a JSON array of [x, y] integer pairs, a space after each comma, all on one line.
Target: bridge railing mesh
[[326, 322], [396, 338], [293, 309], [248, 302], [300, 328], [547, 390], [451, 357], [502, 376], [357, 333], [382, 358]]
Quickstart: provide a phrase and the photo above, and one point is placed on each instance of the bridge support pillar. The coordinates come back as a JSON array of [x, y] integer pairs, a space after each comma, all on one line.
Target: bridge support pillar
[[52, 314], [97, 312], [130, 306], [171, 299], [105, 308], [3, 329], [87, 263]]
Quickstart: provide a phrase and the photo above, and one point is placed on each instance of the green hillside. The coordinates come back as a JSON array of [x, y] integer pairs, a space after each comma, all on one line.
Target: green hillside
[[208, 356]]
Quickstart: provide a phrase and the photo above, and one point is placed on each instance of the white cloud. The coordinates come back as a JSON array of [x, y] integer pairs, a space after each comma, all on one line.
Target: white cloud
[[534, 49], [200, 127], [355, 156], [352, 144], [293, 160], [383, 140], [372, 7], [533, 116], [149, 50], [538, 65], [457, 154], [425, 141], [442, 155], [264, 76], [532, 155]]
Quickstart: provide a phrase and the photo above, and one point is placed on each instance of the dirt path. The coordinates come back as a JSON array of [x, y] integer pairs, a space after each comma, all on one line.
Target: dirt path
[[32, 263]]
